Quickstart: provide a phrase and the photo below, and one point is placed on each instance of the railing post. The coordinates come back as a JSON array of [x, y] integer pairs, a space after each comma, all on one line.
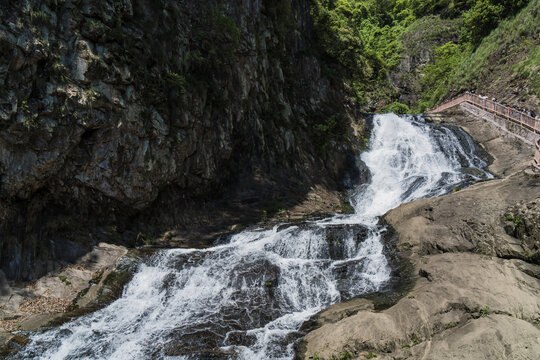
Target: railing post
[[536, 162]]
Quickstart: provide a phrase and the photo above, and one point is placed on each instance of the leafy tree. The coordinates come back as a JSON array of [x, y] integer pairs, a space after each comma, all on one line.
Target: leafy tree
[[480, 20]]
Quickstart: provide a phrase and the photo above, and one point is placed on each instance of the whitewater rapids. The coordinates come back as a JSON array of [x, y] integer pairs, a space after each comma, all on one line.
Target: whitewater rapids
[[249, 297]]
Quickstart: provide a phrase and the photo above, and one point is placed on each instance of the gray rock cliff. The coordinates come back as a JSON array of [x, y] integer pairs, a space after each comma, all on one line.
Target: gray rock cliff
[[121, 116]]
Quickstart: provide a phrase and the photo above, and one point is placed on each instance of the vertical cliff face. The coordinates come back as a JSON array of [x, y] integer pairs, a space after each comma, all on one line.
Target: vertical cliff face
[[114, 114]]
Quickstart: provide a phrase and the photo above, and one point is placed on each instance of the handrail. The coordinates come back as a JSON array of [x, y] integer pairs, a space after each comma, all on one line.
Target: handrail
[[505, 111], [536, 162], [519, 117]]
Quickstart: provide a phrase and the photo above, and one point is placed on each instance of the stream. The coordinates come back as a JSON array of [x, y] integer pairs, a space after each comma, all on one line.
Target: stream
[[247, 298]]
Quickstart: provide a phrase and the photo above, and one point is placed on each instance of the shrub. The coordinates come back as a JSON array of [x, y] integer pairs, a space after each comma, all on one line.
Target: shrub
[[396, 108], [60, 71], [436, 80], [450, 325], [63, 278], [480, 20], [484, 311], [177, 80], [39, 17]]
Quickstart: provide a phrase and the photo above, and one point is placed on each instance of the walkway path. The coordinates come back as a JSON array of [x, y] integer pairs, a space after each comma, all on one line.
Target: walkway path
[[524, 121]]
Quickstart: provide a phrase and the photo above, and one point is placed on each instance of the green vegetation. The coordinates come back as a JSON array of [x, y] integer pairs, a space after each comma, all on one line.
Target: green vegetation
[[343, 356], [327, 129], [366, 39], [39, 17], [363, 37], [396, 108], [148, 237], [177, 80], [63, 278], [450, 325], [437, 75], [517, 221], [60, 71], [96, 28], [29, 120], [371, 356], [24, 107], [484, 311], [512, 49]]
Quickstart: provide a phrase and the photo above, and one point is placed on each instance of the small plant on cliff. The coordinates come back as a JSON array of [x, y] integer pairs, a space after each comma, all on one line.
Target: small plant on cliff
[[39, 17], [396, 108], [343, 356], [24, 107], [484, 311], [63, 278], [450, 325], [60, 71], [96, 27], [371, 356], [314, 357], [177, 80], [282, 17], [517, 221], [90, 95], [29, 120]]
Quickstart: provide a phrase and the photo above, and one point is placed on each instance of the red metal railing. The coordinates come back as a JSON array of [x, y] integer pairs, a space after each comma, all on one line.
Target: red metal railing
[[537, 155], [507, 112]]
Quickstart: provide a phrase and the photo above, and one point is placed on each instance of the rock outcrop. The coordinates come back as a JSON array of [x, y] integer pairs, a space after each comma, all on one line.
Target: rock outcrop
[[96, 280], [122, 119], [419, 44], [477, 288]]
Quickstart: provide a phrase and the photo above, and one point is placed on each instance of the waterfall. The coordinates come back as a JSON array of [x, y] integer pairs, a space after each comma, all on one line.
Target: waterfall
[[249, 297]]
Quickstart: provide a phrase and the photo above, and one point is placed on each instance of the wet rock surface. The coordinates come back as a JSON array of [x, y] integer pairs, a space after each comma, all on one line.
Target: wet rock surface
[[477, 288]]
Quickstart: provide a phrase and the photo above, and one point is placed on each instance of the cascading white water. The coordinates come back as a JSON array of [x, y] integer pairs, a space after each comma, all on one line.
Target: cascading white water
[[248, 298]]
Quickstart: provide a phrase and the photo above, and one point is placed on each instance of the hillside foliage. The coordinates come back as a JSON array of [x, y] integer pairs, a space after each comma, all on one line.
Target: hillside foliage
[[365, 38]]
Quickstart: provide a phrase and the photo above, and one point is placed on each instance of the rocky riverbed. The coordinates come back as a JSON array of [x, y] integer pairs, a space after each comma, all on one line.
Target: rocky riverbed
[[98, 277], [475, 258]]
